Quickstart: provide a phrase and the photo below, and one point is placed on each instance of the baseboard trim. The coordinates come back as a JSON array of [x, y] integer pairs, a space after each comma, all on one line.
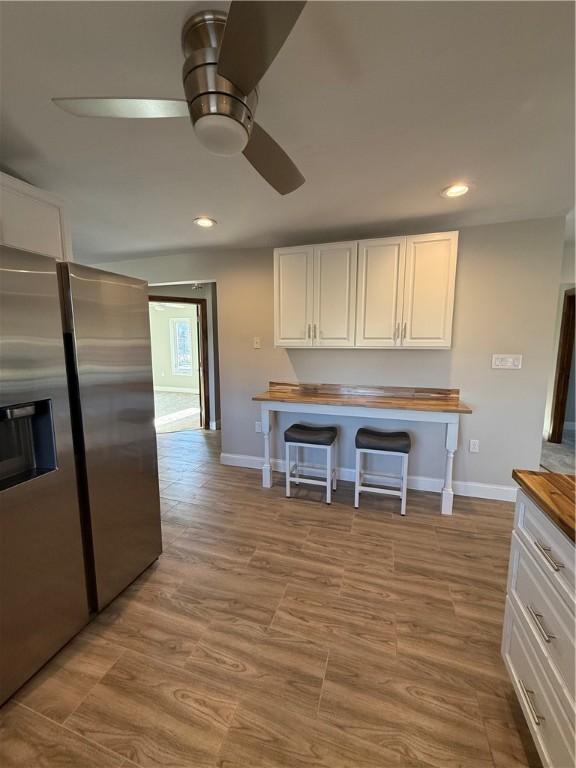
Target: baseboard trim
[[485, 491], [415, 482]]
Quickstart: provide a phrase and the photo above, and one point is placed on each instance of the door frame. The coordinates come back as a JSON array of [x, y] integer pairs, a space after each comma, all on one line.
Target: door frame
[[563, 366], [202, 349]]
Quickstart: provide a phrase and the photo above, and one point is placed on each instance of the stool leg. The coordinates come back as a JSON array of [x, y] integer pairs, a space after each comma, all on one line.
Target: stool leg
[[329, 475], [288, 470], [404, 483], [334, 473], [357, 480], [297, 471]]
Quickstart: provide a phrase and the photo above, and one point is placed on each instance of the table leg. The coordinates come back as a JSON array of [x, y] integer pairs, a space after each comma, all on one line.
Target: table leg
[[266, 431], [451, 446]]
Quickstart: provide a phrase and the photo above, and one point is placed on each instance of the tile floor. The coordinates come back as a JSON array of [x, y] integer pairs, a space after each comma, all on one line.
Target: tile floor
[[176, 411], [559, 457], [277, 633]]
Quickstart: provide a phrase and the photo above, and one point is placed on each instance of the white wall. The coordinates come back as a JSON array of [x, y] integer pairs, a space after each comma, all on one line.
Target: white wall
[[506, 292]]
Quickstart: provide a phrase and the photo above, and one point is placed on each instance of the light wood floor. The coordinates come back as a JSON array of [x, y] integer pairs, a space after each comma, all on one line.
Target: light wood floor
[[277, 632]]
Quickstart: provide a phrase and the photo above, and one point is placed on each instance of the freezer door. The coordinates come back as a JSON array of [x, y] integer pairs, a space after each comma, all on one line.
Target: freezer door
[[108, 318], [43, 599]]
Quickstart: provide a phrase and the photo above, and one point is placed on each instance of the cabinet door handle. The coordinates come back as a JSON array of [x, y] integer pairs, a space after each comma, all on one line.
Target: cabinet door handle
[[396, 331], [309, 330], [315, 331], [527, 693], [403, 332], [545, 551], [537, 619]]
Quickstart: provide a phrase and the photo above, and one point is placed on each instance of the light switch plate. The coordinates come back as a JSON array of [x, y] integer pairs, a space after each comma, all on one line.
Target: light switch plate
[[257, 343], [507, 361]]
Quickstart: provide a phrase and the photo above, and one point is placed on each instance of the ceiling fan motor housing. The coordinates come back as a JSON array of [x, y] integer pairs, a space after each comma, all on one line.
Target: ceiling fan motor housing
[[221, 114]]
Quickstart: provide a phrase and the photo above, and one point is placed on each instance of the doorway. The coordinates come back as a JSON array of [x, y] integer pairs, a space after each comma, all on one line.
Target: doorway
[[179, 340], [558, 451]]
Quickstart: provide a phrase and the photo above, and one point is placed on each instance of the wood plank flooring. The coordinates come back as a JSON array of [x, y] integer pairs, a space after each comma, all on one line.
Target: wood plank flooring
[[282, 633]]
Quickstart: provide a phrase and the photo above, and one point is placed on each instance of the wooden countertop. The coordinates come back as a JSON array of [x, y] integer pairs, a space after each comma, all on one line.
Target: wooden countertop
[[401, 398], [554, 494]]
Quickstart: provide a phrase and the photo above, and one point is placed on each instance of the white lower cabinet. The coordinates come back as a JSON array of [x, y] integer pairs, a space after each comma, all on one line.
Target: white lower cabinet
[[392, 292], [538, 640]]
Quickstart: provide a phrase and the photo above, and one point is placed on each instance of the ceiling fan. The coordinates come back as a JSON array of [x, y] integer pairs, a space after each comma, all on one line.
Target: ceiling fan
[[226, 56]]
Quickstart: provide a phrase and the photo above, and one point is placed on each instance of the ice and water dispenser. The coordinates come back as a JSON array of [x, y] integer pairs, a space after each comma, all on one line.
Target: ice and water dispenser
[[27, 446]]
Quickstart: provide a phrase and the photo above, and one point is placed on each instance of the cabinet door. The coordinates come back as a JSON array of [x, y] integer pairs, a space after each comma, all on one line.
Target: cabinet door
[[380, 292], [335, 268], [293, 296], [32, 220], [429, 290]]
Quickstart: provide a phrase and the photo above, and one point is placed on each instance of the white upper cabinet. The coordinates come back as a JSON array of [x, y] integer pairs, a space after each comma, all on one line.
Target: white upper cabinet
[[429, 290], [33, 220], [394, 292], [335, 268], [380, 292], [293, 296]]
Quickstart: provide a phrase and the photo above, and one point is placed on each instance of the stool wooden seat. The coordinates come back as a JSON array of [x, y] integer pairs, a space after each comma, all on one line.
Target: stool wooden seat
[[308, 436], [376, 441]]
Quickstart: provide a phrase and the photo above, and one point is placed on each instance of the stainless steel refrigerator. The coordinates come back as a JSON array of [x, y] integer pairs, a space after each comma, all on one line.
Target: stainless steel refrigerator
[[43, 600], [79, 500], [107, 338]]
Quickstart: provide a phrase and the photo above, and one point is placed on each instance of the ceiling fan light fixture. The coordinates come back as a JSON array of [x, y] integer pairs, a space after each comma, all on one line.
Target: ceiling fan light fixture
[[221, 135], [457, 189], [204, 221]]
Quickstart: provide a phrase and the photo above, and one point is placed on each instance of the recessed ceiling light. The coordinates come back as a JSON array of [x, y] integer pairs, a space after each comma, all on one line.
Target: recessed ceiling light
[[204, 221], [455, 190]]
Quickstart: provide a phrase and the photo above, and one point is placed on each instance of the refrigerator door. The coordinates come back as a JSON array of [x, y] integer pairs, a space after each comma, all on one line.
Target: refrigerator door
[[43, 599], [108, 327]]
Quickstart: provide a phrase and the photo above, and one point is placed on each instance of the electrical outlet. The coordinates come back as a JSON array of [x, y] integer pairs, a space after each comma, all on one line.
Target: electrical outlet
[[474, 446], [258, 426]]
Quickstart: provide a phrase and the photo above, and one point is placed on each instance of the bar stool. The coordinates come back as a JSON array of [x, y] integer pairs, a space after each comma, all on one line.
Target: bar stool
[[384, 444], [304, 436]]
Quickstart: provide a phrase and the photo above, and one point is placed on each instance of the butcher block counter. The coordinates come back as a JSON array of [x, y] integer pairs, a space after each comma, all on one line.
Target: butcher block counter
[[363, 396], [553, 493], [538, 638], [362, 402]]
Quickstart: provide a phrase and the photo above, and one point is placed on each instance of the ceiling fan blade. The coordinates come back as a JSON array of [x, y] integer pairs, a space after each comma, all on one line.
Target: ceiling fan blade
[[129, 108], [271, 162], [253, 36]]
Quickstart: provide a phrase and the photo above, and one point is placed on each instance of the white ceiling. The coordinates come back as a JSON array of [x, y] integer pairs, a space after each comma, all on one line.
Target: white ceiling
[[380, 104]]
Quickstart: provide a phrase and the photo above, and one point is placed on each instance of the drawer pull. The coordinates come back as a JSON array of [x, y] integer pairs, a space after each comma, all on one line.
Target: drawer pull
[[527, 693], [545, 551], [537, 619]]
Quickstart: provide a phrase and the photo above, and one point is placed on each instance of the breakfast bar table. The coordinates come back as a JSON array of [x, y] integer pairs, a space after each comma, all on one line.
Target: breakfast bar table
[[375, 402]]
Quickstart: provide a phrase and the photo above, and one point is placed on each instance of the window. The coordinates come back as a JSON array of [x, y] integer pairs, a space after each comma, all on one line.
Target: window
[[182, 346]]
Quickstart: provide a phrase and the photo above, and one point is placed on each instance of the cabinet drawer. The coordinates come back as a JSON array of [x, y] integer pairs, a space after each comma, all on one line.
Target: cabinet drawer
[[547, 616], [551, 548], [547, 711]]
